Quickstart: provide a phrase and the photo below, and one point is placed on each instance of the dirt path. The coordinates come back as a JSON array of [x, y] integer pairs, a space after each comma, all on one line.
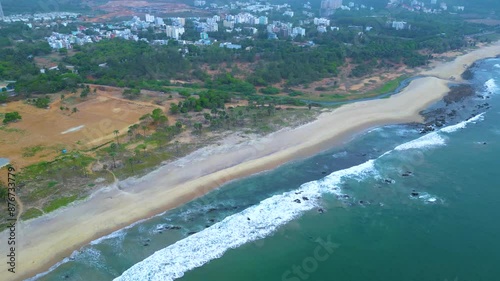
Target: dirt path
[[20, 207]]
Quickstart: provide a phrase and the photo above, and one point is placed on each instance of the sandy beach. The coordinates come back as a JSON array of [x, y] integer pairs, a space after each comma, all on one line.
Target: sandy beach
[[44, 241]]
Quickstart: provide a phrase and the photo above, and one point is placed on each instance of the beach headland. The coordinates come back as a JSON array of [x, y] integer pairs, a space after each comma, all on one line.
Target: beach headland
[[44, 241]]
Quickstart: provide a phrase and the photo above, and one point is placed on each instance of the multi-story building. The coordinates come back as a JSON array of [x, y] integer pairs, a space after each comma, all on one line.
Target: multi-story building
[[150, 18], [298, 31], [321, 21], [328, 7], [174, 32]]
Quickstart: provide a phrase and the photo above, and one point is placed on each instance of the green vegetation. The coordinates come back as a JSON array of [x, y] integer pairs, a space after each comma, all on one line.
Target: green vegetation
[[3, 97], [270, 90], [202, 97], [31, 213], [58, 203], [389, 86], [131, 94], [11, 117], [32, 151]]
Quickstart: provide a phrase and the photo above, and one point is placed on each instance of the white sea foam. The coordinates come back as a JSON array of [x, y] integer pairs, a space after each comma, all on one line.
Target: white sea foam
[[463, 124], [428, 198], [491, 86], [341, 154], [430, 140], [497, 65], [249, 225]]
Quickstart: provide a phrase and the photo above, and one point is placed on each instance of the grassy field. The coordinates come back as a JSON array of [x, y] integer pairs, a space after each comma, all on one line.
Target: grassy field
[[53, 179], [388, 87]]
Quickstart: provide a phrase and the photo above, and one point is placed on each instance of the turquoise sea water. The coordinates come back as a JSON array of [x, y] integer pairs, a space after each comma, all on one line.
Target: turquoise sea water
[[392, 204]]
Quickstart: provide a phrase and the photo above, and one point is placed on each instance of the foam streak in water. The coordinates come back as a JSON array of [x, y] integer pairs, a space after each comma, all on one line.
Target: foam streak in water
[[491, 86], [249, 225], [463, 124], [429, 140]]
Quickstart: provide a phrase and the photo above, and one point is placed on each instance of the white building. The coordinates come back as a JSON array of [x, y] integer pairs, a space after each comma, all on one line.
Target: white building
[[159, 21], [150, 18], [263, 20], [399, 25], [174, 31], [298, 31], [321, 21]]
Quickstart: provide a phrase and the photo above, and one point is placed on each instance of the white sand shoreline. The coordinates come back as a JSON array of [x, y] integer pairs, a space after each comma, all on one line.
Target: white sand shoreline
[[46, 240]]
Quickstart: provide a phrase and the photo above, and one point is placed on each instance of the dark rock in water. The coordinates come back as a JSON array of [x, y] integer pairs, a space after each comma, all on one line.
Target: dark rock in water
[[459, 93], [427, 129], [191, 233], [414, 194], [207, 226], [361, 202], [405, 174], [146, 244], [66, 276], [364, 154], [323, 172], [248, 219], [211, 220], [172, 227], [160, 232], [305, 198], [484, 143], [388, 181], [296, 200], [321, 211], [148, 240], [211, 210], [346, 196], [298, 192]]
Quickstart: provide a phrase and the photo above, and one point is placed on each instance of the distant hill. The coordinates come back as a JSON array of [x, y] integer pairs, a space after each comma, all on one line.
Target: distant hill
[[34, 6]]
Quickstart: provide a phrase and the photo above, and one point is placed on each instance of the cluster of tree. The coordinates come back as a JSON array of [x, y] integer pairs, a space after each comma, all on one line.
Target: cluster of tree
[[131, 94], [206, 100], [17, 61], [11, 117], [120, 62], [4, 97], [295, 64], [157, 117], [229, 83], [270, 90], [42, 102], [52, 81]]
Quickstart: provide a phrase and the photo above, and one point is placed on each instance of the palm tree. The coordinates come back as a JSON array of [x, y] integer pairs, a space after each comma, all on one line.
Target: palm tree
[[198, 126], [177, 148], [113, 154], [131, 162], [116, 132], [144, 127]]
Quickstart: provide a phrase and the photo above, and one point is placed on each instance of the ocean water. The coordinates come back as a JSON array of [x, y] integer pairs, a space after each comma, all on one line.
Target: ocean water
[[392, 204]]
